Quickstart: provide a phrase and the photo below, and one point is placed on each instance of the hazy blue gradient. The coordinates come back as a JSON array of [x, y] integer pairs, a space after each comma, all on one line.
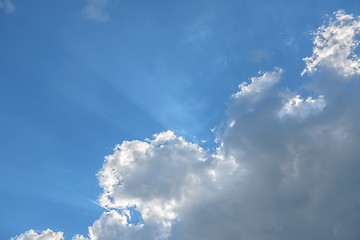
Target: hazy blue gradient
[[71, 87]]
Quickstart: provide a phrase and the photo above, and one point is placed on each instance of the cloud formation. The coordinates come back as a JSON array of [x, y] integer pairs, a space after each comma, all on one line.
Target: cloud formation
[[96, 10], [44, 235], [301, 108], [334, 46], [158, 177], [286, 165], [7, 6], [259, 84]]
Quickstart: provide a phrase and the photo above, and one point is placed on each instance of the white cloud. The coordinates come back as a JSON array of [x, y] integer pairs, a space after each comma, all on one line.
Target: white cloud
[[157, 176], [96, 10], [79, 237], [301, 108], [7, 6], [334, 46], [44, 235], [160, 177], [111, 225], [259, 84]]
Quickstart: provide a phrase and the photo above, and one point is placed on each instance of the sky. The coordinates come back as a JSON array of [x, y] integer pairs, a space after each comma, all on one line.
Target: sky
[[176, 120]]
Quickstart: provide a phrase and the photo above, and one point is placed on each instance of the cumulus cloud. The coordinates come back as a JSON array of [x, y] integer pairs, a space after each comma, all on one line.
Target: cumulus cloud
[[111, 225], [295, 178], [299, 107], [334, 46], [157, 176], [79, 237], [285, 167], [44, 235], [96, 10], [7, 6], [259, 84]]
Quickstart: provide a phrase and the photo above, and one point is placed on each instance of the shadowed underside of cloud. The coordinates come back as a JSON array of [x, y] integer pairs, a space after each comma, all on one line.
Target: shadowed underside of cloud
[[286, 166]]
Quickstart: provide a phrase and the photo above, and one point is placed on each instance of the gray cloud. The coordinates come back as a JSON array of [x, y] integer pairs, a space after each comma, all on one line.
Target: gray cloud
[[297, 178]]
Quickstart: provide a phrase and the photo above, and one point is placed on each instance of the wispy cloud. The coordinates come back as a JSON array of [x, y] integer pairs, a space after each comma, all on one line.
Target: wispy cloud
[[97, 10], [7, 6]]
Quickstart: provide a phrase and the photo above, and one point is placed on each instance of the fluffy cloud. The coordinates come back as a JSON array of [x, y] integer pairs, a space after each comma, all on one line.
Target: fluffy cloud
[[259, 84], [285, 167], [296, 179], [158, 177], [298, 107], [44, 235], [79, 237], [334, 46], [96, 10], [111, 225], [7, 6]]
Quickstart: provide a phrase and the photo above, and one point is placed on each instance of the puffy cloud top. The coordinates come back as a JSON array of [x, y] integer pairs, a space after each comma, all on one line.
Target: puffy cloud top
[[44, 235], [259, 84], [299, 107], [334, 46]]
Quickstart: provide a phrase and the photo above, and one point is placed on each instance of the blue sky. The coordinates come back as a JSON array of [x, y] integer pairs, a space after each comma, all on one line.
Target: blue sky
[[74, 83]]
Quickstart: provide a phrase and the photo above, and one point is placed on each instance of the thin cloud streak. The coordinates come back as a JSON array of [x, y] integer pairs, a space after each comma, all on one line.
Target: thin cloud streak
[[7, 5]]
